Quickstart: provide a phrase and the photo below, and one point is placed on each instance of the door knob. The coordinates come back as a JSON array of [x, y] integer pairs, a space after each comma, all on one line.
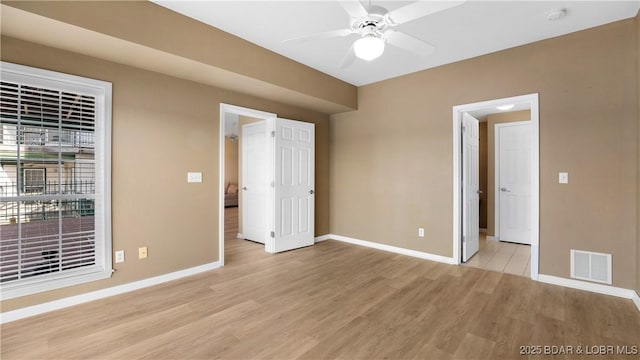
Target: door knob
[[504, 189], [311, 192], [244, 188], [479, 192]]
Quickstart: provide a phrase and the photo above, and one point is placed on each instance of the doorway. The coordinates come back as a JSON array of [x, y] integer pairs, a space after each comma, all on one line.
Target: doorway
[[234, 217], [460, 201], [281, 165]]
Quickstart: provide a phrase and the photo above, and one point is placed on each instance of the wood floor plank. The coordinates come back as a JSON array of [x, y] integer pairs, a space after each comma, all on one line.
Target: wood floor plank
[[518, 262], [329, 301], [474, 347]]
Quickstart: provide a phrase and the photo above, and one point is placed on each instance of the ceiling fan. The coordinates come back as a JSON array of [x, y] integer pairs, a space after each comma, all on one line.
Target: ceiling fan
[[375, 26]]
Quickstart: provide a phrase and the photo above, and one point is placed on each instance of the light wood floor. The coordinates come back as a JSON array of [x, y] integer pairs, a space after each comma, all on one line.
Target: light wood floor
[[503, 257], [331, 300]]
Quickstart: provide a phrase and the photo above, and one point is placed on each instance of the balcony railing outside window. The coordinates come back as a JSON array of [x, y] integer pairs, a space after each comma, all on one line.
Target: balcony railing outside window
[[38, 136]]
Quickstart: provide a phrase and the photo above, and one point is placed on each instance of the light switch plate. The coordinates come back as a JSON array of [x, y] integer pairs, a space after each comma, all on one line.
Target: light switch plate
[[194, 177], [563, 178]]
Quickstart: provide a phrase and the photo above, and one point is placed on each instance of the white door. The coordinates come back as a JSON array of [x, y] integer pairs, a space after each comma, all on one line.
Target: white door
[[470, 187], [255, 181], [293, 190], [513, 151]]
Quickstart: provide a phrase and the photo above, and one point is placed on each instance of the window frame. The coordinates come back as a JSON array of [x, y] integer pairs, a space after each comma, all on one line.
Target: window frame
[[25, 184], [102, 91]]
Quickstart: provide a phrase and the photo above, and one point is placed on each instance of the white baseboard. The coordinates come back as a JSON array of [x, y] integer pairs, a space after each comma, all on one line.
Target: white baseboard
[[394, 249], [493, 238], [592, 287], [25, 312], [240, 236], [636, 299], [322, 237]]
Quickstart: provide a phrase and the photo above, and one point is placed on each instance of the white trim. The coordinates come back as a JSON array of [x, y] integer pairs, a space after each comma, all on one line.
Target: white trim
[[458, 110], [393, 249], [493, 238], [588, 286], [240, 236], [496, 172], [323, 238], [636, 299], [224, 108], [25, 312]]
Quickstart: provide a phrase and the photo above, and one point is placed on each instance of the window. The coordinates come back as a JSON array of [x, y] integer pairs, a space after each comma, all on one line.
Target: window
[[55, 224], [33, 180]]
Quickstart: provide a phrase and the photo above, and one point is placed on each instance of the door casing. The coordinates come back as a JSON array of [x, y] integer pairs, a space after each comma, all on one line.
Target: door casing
[[458, 110]]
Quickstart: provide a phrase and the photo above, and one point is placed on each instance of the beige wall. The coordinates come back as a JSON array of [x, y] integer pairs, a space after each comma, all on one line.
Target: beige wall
[[482, 172], [492, 120], [167, 126], [588, 127], [230, 161], [638, 114]]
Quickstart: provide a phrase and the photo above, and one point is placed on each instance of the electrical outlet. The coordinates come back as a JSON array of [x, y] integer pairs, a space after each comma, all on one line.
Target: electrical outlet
[[563, 178], [142, 252], [119, 256], [421, 232]]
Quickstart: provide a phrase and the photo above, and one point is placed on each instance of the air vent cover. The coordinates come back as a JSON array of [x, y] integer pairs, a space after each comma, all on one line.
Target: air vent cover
[[592, 266]]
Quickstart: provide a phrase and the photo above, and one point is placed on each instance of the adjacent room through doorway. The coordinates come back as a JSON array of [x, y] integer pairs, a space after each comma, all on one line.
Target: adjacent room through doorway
[[498, 181]]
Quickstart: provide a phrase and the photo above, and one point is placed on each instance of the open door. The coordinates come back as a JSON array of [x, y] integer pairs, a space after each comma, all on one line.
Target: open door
[[470, 187], [513, 148], [255, 182], [293, 166]]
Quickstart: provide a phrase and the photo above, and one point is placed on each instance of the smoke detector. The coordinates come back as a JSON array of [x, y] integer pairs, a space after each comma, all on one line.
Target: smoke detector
[[556, 14]]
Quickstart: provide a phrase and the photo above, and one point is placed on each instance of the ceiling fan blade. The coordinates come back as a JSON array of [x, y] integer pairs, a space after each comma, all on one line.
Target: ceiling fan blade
[[420, 9], [354, 9], [323, 35], [349, 58], [409, 43]]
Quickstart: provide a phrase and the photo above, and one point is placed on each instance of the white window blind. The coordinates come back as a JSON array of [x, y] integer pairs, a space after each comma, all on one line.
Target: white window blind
[[54, 180]]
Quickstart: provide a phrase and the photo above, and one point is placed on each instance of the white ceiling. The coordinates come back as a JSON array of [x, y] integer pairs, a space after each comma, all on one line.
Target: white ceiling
[[481, 113], [472, 29]]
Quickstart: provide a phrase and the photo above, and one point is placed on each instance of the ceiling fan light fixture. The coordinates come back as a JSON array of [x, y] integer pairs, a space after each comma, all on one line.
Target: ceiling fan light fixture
[[368, 47]]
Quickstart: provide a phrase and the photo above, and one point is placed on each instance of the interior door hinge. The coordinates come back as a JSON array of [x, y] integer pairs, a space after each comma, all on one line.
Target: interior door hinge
[[273, 134], [273, 234]]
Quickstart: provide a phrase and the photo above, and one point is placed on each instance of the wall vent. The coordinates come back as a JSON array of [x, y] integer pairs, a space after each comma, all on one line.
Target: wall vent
[[592, 266]]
